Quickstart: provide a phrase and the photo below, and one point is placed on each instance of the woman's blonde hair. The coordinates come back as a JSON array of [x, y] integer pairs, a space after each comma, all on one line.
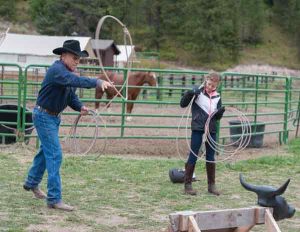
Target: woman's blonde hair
[[214, 76]]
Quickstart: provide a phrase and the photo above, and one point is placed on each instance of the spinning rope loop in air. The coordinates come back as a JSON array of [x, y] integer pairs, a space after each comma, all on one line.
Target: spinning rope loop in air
[[129, 63], [73, 137]]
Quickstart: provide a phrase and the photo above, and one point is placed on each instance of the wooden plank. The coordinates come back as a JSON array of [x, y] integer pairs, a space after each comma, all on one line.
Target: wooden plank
[[193, 227], [270, 222], [219, 219], [229, 218]]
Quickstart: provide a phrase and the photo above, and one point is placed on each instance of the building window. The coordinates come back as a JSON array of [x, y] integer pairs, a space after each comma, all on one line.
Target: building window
[[22, 58]]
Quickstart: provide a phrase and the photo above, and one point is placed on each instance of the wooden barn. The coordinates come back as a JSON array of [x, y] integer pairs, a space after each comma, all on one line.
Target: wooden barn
[[107, 49]]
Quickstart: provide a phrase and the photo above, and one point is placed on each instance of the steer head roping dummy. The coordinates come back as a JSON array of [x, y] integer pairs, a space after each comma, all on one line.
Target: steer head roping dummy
[[270, 197]]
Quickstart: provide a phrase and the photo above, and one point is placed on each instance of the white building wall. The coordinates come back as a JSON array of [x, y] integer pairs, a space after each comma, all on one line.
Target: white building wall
[[25, 60], [29, 59]]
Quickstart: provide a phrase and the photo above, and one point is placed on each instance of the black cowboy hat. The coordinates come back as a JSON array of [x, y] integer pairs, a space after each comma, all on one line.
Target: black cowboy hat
[[71, 46]]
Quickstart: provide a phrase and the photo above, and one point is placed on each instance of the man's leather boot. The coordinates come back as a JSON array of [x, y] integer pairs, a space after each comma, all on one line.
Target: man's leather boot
[[188, 176], [37, 192], [211, 175], [61, 206]]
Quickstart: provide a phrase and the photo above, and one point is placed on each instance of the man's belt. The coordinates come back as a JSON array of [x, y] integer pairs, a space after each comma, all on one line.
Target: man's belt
[[47, 111]]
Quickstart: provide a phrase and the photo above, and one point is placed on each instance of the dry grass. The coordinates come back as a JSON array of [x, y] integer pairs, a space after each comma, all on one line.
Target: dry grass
[[133, 193]]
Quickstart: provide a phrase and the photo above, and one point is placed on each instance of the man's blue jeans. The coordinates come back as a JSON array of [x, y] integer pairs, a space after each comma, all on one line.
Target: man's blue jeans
[[196, 142], [48, 157]]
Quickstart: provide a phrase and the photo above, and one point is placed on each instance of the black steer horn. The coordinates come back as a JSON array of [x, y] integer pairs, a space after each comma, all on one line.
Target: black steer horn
[[270, 197]]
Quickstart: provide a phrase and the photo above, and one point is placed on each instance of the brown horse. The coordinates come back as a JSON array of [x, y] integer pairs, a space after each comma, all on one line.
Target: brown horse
[[135, 79]]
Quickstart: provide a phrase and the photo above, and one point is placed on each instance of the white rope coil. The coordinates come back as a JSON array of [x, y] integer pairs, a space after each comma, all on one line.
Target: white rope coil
[[242, 142], [73, 141], [227, 150], [14, 130]]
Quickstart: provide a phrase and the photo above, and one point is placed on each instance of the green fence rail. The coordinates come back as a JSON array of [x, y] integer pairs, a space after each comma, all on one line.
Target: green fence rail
[[11, 86], [265, 99]]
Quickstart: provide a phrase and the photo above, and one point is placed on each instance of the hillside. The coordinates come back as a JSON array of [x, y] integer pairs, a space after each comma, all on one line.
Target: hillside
[[22, 22], [276, 54], [277, 50]]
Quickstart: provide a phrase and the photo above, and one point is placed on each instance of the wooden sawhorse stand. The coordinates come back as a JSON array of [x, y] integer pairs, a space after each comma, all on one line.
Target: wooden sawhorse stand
[[229, 220]]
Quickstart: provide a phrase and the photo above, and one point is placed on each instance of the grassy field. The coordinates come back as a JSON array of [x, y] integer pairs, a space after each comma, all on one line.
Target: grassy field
[[114, 193]]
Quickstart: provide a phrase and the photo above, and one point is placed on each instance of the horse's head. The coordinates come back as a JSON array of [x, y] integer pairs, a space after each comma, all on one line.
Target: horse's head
[[150, 79]]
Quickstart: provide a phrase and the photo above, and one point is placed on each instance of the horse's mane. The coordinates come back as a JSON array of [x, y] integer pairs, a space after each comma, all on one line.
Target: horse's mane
[[137, 74]]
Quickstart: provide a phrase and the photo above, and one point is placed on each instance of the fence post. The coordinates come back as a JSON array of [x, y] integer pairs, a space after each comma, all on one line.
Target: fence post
[[256, 99], [298, 116], [286, 110], [159, 91], [232, 81], [266, 87], [193, 80], [171, 79], [290, 94], [124, 93], [183, 81], [21, 127], [218, 122], [243, 92], [36, 73], [2, 78], [144, 94], [80, 89]]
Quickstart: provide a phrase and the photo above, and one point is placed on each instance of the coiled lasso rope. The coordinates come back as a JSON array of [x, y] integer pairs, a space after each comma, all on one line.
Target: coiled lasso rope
[[241, 143], [74, 138], [14, 130], [72, 134]]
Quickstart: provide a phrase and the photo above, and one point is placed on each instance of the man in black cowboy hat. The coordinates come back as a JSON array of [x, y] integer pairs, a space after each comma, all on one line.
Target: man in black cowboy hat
[[57, 92]]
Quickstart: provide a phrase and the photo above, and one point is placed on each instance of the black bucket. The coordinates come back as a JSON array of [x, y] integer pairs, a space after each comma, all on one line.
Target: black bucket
[[11, 129], [255, 140]]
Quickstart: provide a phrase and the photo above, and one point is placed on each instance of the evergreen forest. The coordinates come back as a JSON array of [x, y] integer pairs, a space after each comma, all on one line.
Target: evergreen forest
[[188, 31]]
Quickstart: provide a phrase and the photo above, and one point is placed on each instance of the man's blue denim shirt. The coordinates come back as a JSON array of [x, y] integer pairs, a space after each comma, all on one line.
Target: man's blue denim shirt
[[59, 86]]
